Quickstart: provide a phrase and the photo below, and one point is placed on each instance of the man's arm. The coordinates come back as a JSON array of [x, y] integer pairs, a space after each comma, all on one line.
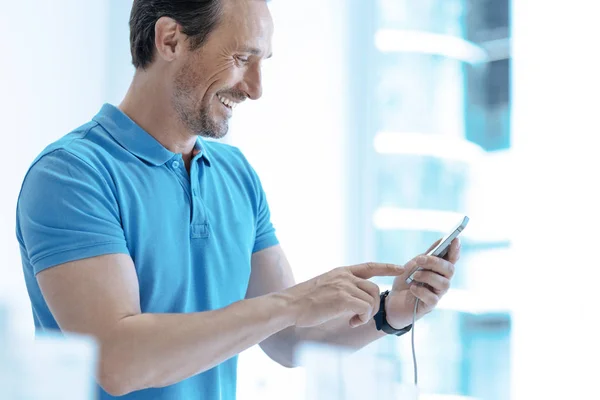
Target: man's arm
[[271, 273], [100, 296]]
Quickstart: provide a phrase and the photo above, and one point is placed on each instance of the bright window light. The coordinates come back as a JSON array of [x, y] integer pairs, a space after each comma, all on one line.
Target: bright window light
[[438, 146], [481, 229], [407, 41]]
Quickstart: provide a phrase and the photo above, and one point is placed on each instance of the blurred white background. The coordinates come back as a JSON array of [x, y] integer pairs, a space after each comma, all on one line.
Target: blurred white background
[[520, 323]]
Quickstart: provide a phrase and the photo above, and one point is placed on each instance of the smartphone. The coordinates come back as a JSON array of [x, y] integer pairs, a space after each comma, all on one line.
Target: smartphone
[[442, 247]]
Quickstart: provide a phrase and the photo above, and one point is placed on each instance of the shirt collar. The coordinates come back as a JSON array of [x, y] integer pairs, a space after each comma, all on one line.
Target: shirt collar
[[136, 140], [201, 151]]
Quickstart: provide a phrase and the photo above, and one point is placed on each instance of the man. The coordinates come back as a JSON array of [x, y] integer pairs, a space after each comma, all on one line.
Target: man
[[135, 230]]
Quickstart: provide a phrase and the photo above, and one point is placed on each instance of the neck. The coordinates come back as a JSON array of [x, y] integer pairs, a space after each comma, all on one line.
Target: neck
[[148, 104]]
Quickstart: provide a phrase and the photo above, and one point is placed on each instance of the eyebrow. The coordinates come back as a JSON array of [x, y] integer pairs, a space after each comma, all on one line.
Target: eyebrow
[[255, 52]]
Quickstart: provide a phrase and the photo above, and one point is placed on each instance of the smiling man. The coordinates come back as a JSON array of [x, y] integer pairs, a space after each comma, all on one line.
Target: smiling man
[[136, 230]]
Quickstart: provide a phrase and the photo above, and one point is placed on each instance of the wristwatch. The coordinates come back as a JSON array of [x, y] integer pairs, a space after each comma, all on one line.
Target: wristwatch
[[381, 321]]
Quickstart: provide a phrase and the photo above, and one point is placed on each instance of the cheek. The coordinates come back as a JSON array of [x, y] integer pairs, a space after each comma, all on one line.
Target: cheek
[[227, 76]]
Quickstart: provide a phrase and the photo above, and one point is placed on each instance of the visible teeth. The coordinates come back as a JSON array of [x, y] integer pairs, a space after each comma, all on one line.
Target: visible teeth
[[227, 102]]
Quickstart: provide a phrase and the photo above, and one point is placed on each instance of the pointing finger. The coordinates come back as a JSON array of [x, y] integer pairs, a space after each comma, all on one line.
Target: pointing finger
[[369, 270]]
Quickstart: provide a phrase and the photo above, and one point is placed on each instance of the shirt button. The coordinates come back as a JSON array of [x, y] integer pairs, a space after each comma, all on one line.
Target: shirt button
[[175, 164]]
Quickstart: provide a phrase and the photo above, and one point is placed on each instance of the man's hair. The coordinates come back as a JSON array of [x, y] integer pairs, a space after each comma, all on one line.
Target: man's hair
[[198, 18]]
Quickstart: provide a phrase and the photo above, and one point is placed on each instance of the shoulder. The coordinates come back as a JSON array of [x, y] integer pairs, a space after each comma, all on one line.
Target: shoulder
[[66, 208], [78, 153], [66, 170]]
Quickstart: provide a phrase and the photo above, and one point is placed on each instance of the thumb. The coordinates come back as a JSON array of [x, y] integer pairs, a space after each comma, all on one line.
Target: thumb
[[358, 320]]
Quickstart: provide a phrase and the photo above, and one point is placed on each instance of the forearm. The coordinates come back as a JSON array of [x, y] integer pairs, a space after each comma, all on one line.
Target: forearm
[[283, 345], [338, 332], [156, 350]]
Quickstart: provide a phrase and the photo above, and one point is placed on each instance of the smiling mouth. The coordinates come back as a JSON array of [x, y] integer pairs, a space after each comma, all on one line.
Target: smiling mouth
[[227, 102]]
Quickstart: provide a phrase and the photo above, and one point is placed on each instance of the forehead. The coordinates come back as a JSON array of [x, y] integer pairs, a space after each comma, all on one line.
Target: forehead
[[248, 22]]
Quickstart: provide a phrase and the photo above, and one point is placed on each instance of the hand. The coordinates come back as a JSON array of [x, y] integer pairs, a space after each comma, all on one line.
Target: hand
[[344, 291], [429, 286]]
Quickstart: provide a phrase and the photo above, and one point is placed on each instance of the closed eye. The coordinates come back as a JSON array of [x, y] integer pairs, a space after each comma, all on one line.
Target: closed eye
[[242, 59]]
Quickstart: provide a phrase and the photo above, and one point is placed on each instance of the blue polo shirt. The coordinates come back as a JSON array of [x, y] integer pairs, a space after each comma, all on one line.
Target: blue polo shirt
[[110, 187]]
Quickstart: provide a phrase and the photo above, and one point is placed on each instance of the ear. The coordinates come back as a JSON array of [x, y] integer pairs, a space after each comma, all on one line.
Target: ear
[[168, 39]]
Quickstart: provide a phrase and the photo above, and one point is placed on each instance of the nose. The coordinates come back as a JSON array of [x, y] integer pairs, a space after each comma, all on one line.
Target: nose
[[253, 82]]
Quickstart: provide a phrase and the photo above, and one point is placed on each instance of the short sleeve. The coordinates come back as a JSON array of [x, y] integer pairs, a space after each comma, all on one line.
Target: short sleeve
[[265, 231], [66, 211]]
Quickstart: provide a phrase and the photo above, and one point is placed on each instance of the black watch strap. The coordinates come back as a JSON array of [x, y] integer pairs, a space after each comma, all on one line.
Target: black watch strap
[[381, 321]]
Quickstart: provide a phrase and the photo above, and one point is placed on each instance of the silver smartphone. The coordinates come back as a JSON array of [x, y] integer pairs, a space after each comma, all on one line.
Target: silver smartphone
[[442, 248]]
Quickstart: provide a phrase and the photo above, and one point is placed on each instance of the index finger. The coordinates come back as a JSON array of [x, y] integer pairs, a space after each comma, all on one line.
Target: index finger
[[369, 270]]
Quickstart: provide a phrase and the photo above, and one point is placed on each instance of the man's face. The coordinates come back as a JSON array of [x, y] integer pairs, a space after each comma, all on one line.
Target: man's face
[[226, 70]]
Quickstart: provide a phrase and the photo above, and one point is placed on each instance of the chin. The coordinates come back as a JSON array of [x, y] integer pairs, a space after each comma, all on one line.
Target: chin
[[212, 135], [215, 130], [211, 126]]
